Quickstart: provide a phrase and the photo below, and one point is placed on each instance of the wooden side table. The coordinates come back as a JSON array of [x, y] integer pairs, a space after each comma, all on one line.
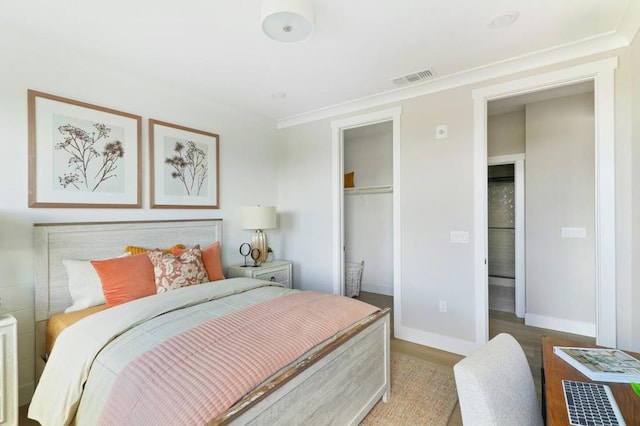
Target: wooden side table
[[279, 271]]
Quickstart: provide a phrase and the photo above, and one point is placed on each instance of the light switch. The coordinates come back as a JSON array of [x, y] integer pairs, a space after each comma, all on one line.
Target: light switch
[[459, 237], [573, 232]]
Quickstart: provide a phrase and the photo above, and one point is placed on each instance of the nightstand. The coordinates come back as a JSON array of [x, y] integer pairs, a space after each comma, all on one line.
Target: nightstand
[[9, 370], [279, 271]]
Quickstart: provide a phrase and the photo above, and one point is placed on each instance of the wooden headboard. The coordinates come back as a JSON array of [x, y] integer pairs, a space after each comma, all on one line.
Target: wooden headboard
[[55, 242]]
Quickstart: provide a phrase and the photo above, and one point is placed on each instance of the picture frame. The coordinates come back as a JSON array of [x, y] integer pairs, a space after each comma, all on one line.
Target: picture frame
[[184, 167], [82, 155]]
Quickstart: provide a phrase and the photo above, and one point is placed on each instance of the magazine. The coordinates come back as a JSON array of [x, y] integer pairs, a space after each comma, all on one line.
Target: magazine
[[605, 365]]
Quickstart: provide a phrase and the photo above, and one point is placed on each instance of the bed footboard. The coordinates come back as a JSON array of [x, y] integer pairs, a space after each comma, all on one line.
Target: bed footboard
[[339, 388]]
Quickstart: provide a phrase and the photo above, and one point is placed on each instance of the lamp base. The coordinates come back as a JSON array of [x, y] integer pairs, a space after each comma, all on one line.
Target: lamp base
[[259, 241]]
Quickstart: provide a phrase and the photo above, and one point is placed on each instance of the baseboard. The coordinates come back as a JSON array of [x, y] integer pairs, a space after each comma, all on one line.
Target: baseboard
[[438, 341], [387, 291], [560, 324]]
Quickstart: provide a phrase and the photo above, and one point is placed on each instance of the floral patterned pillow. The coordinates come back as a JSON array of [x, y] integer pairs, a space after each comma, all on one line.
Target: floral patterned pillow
[[173, 271]]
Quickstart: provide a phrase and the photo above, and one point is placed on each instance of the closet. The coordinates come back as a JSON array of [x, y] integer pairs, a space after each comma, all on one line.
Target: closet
[[368, 204]]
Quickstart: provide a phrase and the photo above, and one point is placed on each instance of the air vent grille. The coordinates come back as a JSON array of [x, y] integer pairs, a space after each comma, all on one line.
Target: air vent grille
[[414, 77]]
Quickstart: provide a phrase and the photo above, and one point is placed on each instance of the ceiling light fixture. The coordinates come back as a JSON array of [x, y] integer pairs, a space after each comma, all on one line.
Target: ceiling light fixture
[[288, 21], [504, 20]]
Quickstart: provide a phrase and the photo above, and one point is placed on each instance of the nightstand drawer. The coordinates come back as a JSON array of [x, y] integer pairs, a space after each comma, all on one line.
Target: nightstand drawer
[[280, 276], [277, 271]]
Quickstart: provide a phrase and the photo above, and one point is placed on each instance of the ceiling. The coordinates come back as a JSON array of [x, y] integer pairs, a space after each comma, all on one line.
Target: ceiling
[[216, 49]]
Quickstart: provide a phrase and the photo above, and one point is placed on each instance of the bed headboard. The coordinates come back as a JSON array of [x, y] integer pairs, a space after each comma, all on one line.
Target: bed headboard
[[55, 242]]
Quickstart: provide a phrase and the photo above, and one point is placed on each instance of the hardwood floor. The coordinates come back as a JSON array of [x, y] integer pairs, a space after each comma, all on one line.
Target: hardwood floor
[[499, 322]]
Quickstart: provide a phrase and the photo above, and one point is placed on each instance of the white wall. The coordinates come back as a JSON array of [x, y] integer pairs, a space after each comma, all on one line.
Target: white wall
[[437, 197], [432, 205], [368, 217], [559, 185], [304, 203], [506, 133], [247, 156]]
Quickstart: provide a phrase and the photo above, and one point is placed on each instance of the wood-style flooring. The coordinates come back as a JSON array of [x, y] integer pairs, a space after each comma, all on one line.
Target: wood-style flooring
[[499, 322]]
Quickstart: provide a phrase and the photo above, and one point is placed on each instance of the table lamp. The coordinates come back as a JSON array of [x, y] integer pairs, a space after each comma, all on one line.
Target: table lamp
[[259, 218]]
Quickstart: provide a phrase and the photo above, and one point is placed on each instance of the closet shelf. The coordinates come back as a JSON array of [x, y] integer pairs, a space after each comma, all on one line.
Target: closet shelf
[[368, 190]]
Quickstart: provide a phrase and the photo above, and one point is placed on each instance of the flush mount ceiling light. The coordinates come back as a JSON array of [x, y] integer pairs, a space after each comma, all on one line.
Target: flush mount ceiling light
[[288, 21]]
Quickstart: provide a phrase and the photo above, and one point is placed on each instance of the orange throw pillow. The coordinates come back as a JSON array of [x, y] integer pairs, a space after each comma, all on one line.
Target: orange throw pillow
[[211, 260], [125, 278]]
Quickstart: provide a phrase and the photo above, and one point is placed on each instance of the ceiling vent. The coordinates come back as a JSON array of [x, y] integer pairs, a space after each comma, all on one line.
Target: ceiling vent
[[414, 77]]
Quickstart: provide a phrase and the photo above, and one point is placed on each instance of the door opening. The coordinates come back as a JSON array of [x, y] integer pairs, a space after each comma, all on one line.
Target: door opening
[[502, 238], [391, 115], [601, 75], [368, 208]]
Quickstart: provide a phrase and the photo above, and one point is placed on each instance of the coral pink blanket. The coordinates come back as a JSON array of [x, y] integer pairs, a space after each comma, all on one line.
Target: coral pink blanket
[[197, 375]]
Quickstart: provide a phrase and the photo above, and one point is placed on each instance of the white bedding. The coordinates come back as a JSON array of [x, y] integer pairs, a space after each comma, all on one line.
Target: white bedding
[[71, 363]]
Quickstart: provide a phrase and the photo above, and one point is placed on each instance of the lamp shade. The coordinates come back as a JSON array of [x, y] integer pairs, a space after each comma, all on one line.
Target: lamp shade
[[288, 21], [258, 217]]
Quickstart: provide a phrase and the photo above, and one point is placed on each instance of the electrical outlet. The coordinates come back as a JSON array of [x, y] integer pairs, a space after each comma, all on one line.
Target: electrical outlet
[[443, 306]]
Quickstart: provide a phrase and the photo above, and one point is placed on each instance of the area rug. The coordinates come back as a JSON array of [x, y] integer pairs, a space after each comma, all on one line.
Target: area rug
[[421, 394]]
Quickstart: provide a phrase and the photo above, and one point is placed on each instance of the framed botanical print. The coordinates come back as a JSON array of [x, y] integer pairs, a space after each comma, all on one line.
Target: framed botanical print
[[82, 155], [184, 167]]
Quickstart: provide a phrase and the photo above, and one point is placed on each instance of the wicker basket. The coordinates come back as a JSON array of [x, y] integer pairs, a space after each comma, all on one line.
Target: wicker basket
[[353, 278]]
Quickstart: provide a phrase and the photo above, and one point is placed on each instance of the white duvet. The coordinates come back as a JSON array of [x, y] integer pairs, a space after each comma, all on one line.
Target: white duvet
[[75, 383]]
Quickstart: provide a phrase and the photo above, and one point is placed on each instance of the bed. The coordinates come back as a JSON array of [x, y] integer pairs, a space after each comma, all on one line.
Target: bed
[[337, 380]]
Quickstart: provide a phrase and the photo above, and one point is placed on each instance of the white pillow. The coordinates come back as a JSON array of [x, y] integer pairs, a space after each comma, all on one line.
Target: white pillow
[[84, 284]]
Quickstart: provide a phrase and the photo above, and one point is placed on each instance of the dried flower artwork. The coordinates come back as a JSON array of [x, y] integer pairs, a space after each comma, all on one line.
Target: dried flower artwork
[[82, 155], [189, 166], [92, 157], [184, 167]]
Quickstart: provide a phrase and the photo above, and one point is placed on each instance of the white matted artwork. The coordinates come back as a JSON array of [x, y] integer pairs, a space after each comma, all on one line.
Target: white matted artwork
[[82, 155], [184, 167]]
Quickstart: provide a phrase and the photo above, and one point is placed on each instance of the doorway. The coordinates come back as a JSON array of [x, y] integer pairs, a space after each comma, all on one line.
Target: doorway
[[338, 170], [601, 74], [368, 208], [501, 212], [555, 128]]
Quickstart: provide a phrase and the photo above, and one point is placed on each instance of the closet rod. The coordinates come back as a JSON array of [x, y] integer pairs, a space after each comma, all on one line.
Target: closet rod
[[369, 190]]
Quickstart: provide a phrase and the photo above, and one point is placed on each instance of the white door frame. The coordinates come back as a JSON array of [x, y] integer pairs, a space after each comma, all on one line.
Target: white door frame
[[518, 182], [602, 74], [338, 127]]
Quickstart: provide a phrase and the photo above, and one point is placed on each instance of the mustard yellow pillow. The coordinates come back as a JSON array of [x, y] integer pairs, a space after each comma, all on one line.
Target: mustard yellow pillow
[[139, 250]]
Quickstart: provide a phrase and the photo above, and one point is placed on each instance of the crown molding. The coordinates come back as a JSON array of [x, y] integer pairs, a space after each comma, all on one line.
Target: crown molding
[[583, 48], [630, 23]]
